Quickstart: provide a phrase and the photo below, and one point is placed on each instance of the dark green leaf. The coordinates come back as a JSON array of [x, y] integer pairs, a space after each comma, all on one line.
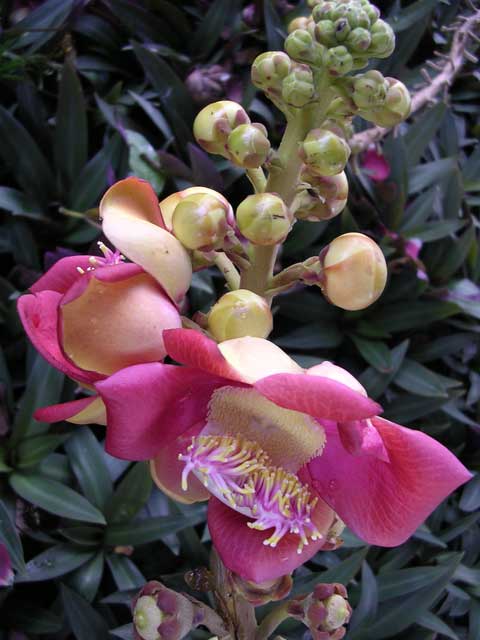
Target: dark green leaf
[[273, 26], [19, 204], [311, 337], [436, 230], [414, 377], [209, 30], [414, 315], [444, 346], [143, 160], [474, 631], [149, 530], [342, 572], [459, 527], [430, 621], [154, 114], [125, 632], [421, 133], [425, 175], [42, 24], [92, 181], [125, 573], [88, 463], [407, 408], [55, 561], [131, 494], [10, 538], [85, 623], [456, 254], [31, 451], [71, 132], [30, 618], [366, 608], [376, 353], [470, 500], [86, 579], [55, 497], [394, 584], [376, 382], [418, 211], [414, 13]]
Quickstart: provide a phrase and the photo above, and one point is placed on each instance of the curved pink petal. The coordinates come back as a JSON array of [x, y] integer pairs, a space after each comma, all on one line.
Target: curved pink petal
[[166, 470], [62, 274], [6, 573], [90, 410], [318, 396], [360, 437], [39, 316], [384, 503], [150, 405], [242, 550], [109, 274], [132, 222]]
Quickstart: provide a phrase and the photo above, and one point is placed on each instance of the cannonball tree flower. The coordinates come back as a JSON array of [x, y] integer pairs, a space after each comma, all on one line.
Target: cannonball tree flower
[[243, 425], [90, 316]]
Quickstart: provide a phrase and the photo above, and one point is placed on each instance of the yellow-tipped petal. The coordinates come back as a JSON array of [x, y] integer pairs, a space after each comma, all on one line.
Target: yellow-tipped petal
[[94, 413], [132, 222]]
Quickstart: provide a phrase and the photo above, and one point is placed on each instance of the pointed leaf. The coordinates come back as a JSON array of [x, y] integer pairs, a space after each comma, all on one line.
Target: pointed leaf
[[55, 561], [131, 494], [85, 623]]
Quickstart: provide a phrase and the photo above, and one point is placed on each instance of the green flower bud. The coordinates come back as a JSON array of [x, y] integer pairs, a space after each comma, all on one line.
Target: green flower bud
[[298, 88], [201, 221], [342, 29], [214, 123], [269, 69], [325, 197], [322, 11], [358, 40], [248, 145], [357, 16], [263, 219], [324, 611], [395, 108], [298, 23], [369, 90], [372, 12], [161, 614], [354, 271], [301, 46], [325, 33], [338, 61], [324, 152], [383, 40], [239, 314]]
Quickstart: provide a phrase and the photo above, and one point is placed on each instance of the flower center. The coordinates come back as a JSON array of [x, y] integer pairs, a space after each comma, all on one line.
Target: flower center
[[240, 474], [109, 259]]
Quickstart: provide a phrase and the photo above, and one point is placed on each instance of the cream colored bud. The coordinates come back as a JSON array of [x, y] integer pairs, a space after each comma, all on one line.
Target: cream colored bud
[[269, 69], [324, 152], [215, 122], [354, 271], [201, 221], [395, 108], [298, 87], [263, 219], [248, 145], [325, 198], [301, 22], [239, 314]]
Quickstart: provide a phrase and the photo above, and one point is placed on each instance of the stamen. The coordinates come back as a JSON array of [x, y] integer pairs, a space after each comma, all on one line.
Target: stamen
[[240, 474], [109, 259]]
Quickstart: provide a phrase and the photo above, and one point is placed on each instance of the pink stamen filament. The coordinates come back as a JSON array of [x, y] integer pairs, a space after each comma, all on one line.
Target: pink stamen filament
[[240, 474]]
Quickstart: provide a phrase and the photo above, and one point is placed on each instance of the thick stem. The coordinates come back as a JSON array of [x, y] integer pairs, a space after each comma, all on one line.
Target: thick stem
[[227, 267], [258, 179], [271, 622]]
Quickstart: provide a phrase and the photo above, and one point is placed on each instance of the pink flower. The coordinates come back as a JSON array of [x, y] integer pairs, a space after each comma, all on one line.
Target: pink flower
[[90, 316], [6, 573], [276, 448], [375, 165]]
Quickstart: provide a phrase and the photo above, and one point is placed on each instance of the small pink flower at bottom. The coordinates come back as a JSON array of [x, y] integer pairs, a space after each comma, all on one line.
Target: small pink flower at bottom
[[278, 450], [6, 573], [375, 165]]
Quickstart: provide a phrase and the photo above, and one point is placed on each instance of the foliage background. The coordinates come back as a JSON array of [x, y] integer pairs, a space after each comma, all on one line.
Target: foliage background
[[94, 91]]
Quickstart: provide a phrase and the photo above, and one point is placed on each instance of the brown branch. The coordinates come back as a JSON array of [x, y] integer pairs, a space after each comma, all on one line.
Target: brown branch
[[449, 67]]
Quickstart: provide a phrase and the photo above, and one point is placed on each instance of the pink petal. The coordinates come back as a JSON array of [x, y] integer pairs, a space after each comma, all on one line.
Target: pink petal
[[132, 222], [384, 503], [62, 274], [6, 573], [166, 470], [150, 405], [359, 437], [39, 316], [320, 397], [89, 410], [376, 165], [242, 550]]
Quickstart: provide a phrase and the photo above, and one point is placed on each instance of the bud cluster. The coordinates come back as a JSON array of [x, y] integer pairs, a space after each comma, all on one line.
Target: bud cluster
[[324, 611]]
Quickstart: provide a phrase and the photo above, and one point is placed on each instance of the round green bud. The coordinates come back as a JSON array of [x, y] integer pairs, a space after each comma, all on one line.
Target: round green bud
[[300, 46], [213, 124], [324, 152], [325, 33], [248, 145], [357, 17], [358, 40], [354, 271], [396, 107], [369, 90], [239, 314], [325, 197], [201, 221], [338, 61], [372, 12], [342, 29], [298, 88], [298, 23], [263, 219], [269, 69], [322, 11], [383, 40]]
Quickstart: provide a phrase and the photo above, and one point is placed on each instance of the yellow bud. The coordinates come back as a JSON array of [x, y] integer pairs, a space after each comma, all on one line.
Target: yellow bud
[[299, 23], [325, 198], [168, 204], [324, 152], [248, 145], [215, 122], [201, 221], [354, 271], [238, 314], [263, 219]]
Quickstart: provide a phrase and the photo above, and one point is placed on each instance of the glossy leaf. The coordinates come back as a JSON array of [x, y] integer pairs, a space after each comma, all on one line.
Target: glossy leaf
[[10, 538], [131, 494], [84, 621], [31, 451], [149, 529], [376, 353], [53, 562]]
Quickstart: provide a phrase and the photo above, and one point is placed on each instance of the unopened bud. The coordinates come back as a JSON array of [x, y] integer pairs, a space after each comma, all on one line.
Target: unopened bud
[[342, 29], [395, 108], [301, 46], [324, 611], [369, 90], [168, 204], [239, 314], [338, 61], [263, 219], [248, 145], [325, 33], [354, 271], [325, 198], [201, 221], [383, 40], [269, 69], [264, 592], [215, 122], [161, 614], [358, 40], [324, 152], [298, 87], [301, 22]]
